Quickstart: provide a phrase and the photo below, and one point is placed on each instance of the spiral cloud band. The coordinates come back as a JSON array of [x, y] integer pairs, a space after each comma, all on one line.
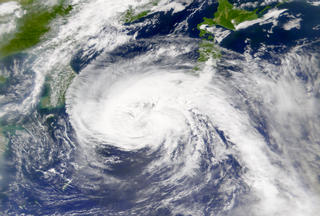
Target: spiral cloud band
[[189, 124]]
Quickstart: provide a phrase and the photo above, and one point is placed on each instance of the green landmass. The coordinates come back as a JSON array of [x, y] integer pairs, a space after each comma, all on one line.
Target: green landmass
[[22, 2], [4, 131], [134, 14], [2, 79], [227, 16], [3, 1], [30, 30], [47, 100], [131, 15], [207, 50], [9, 128], [32, 27], [25, 3]]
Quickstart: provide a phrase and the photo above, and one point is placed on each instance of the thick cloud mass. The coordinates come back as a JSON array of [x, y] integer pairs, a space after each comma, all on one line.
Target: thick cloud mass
[[193, 122]]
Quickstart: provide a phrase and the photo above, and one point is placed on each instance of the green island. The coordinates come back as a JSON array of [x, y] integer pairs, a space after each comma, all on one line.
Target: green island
[[132, 15], [5, 131], [21, 2], [47, 99], [45, 102], [32, 26], [228, 17], [2, 79], [208, 49]]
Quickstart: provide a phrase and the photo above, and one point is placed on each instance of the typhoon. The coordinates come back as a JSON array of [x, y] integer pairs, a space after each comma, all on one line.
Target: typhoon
[[202, 108]]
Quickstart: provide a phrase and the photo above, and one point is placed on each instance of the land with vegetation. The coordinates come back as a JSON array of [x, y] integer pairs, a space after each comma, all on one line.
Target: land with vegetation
[[32, 26]]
